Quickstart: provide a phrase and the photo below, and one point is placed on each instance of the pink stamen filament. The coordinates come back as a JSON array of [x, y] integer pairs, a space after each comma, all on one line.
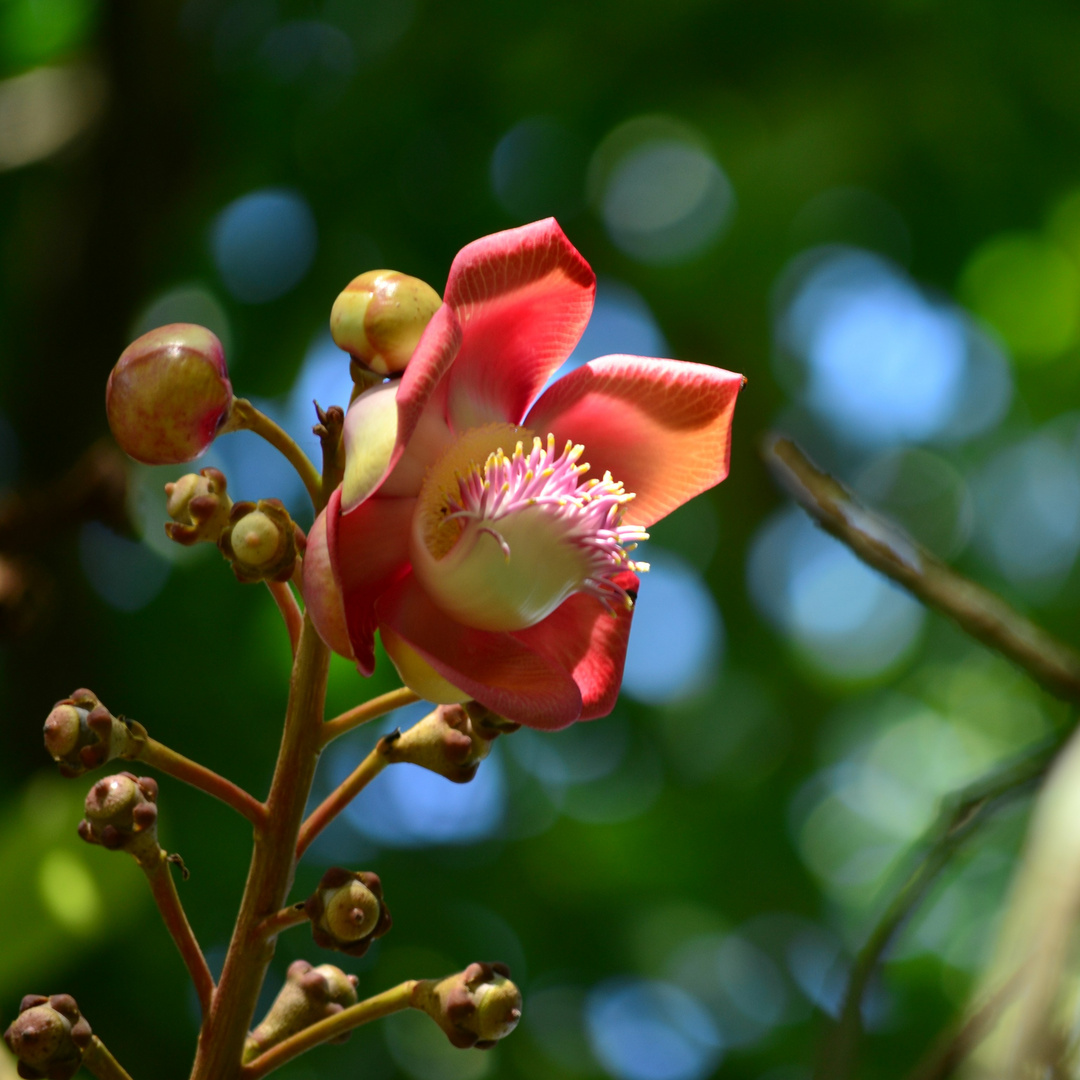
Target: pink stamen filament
[[591, 510]]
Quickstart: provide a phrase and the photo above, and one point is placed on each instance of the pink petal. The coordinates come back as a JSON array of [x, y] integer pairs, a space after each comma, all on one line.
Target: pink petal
[[322, 597], [662, 427], [523, 298], [433, 357], [369, 551], [494, 668], [588, 641]]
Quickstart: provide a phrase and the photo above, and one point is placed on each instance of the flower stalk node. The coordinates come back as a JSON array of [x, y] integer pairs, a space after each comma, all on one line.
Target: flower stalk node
[[475, 1008], [347, 911], [310, 994], [48, 1037], [81, 734], [199, 507], [261, 541]]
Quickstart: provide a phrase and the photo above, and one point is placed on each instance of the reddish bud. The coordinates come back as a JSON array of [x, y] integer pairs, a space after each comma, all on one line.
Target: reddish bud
[[199, 507], [169, 394], [347, 911], [261, 541], [48, 1037], [121, 813], [81, 734], [477, 1007]]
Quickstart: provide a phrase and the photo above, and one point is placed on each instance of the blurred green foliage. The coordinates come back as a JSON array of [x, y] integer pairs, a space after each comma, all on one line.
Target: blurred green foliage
[[964, 118]]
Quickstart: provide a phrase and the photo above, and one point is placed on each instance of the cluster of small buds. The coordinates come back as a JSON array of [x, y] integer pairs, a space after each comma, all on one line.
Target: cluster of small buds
[[121, 814], [48, 1037], [310, 994], [81, 734], [451, 741], [199, 507], [169, 394], [476, 1008], [261, 541], [347, 911], [379, 318]]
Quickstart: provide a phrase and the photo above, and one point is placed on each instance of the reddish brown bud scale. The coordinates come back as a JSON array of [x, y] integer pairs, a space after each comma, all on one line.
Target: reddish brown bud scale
[[199, 506], [347, 911], [169, 394], [49, 1037], [81, 734], [261, 541], [475, 1008]]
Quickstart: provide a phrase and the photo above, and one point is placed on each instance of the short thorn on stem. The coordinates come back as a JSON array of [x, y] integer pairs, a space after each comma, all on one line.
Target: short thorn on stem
[[245, 417], [289, 608], [369, 710]]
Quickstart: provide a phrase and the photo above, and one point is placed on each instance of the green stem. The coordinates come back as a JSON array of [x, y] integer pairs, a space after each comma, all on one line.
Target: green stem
[[341, 796], [159, 756], [221, 1041], [962, 816], [245, 417], [100, 1063], [369, 710], [375, 1008]]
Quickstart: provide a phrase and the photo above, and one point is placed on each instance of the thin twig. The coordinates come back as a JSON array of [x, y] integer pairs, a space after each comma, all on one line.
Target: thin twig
[[961, 816], [290, 610], [369, 710], [375, 1008], [878, 542], [100, 1063], [281, 920], [159, 874], [245, 417], [160, 757], [341, 796]]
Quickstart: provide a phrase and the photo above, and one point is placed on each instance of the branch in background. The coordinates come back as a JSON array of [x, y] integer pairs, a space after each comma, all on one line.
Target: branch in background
[[882, 545], [961, 816], [367, 711], [290, 610]]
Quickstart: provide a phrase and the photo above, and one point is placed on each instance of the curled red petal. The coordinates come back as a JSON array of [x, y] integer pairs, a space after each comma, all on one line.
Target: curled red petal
[[495, 668], [589, 641], [523, 298], [662, 427], [369, 551]]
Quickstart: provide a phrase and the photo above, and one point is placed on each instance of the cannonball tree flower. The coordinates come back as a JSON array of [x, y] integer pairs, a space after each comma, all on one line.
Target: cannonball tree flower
[[485, 531]]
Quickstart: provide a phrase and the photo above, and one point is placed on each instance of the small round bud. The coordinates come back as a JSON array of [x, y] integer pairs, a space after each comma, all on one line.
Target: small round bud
[[81, 734], [199, 507], [447, 741], [48, 1037], [477, 1007], [169, 394], [261, 541], [380, 316], [121, 812], [347, 911], [310, 994]]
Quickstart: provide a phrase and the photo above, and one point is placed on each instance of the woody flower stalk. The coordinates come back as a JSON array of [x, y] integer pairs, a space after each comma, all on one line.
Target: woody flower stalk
[[483, 526]]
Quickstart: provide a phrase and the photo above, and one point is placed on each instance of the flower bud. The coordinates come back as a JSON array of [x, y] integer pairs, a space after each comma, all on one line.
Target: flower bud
[[121, 813], [81, 734], [322, 597], [447, 741], [169, 394], [261, 541], [199, 507], [347, 911], [310, 994], [477, 1007], [380, 316], [48, 1037]]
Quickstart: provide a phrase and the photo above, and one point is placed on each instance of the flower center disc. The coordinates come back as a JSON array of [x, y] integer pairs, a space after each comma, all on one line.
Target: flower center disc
[[500, 539]]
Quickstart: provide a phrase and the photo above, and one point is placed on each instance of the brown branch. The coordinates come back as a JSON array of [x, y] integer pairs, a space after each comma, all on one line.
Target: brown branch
[[879, 543], [290, 610], [99, 1062], [344, 794], [160, 757], [281, 920], [375, 1008], [159, 873], [369, 710], [961, 816]]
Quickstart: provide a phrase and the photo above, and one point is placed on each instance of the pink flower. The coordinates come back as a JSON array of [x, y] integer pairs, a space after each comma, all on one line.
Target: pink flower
[[467, 529]]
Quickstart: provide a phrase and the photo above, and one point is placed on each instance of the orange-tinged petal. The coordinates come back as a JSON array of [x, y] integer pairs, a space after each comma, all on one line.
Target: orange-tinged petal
[[493, 667], [369, 551], [523, 298], [590, 642], [662, 427]]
